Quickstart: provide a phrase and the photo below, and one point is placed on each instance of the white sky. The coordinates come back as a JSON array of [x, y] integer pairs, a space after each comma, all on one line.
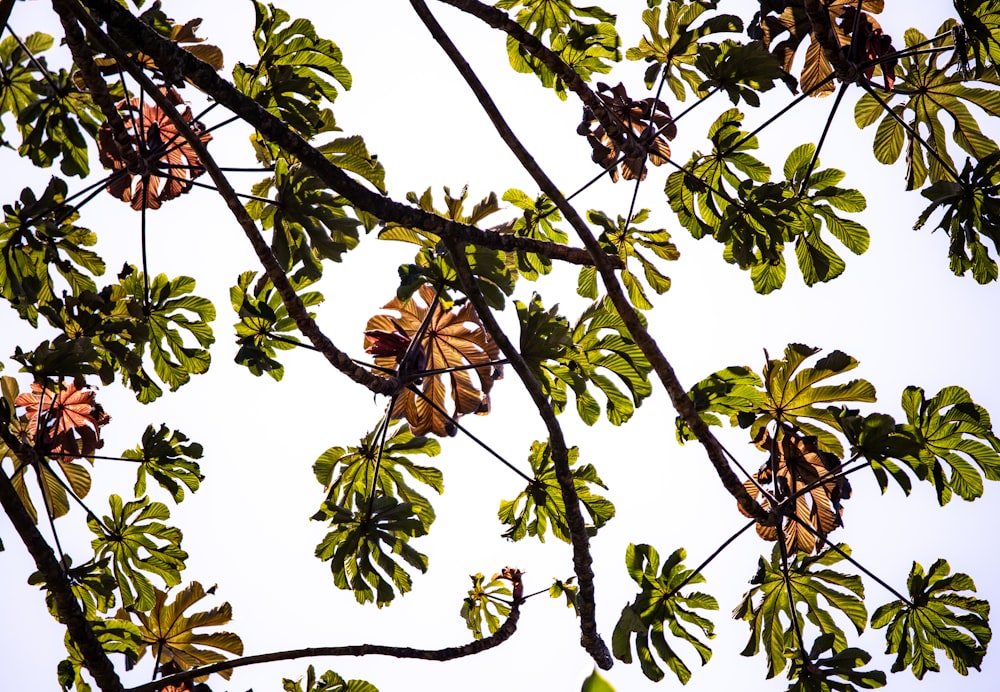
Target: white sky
[[898, 309]]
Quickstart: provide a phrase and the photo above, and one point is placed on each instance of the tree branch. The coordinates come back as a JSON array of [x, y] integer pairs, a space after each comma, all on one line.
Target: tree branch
[[178, 64], [56, 581], [293, 303], [665, 372], [505, 632]]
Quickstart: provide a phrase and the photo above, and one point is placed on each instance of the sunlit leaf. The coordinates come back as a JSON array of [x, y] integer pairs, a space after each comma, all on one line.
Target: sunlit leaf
[[487, 603]]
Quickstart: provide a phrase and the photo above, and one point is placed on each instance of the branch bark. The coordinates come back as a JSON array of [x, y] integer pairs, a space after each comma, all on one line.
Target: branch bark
[[664, 371], [56, 581], [450, 653]]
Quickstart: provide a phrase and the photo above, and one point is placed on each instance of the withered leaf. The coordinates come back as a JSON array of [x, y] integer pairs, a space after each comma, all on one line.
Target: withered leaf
[[452, 339]]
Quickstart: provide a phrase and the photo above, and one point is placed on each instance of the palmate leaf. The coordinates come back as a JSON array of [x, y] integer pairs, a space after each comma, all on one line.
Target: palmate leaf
[[932, 621], [537, 221], [934, 86], [174, 635], [816, 674], [170, 310], [327, 682], [971, 209], [804, 477], [540, 507], [92, 585], [360, 546], [734, 393], [576, 359], [21, 74], [297, 71], [265, 327], [115, 636], [167, 457], [137, 544], [486, 605], [347, 474], [792, 19], [879, 439], [309, 223], [38, 235], [661, 606], [765, 606], [954, 436], [981, 25], [675, 51], [623, 238], [740, 70], [587, 47]]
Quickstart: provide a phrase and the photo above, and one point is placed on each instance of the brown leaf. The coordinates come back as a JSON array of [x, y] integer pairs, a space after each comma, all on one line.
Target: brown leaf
[[452, 339], [645, 142], [71, 419], [807, 474], [172, 163]]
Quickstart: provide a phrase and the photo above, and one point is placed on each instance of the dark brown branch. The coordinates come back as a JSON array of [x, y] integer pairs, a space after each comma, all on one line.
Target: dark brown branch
[[450, 653], [56, 581], [293, 303], [590, 637], [177, 64], [83, 58], [648, 345]]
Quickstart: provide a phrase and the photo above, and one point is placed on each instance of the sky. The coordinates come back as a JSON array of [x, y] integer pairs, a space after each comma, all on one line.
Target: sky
[[897, 309]]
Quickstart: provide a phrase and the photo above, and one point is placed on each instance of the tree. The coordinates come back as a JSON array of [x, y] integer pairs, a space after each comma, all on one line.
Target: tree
[[132, 102]]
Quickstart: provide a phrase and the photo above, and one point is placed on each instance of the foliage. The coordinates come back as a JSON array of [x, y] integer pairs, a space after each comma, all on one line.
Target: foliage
[[327, 682], [486, 604]]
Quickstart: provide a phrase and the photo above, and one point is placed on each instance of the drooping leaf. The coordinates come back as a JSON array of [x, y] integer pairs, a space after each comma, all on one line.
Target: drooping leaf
[[167, 457], [540, 505], [661, 606], [816, 674], [933, 619], [766, 605], [349, 473]]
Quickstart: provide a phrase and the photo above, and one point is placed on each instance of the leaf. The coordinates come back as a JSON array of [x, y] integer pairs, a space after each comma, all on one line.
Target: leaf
[[950, 430], [740, 70], [128, 537], [540, 505], [733, 392], [442, 347], [933, 84], [980, 24], [175, 636], [348, 474], [660, 603], [585, 47], [623, 238], [766, 604], [931, 621], [596, 683], [166, 458], [675, 51], [265, 326], [647, 127], [486, 604], [815, 673], [328, 682], [65, 420], [537, 221], [360, 545], [295, 73], [153, 137]]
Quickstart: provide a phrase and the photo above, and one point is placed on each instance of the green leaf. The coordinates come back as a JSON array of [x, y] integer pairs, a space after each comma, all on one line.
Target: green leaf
[[168, 460], [595, 683], [734, 393], [623, 238], [766, 605], [361, 543], [816, 674], [129, 538], [955, 441], [930, 621], [328, 682], [540, 505], [660, 604], [348, 474], [486, 604]]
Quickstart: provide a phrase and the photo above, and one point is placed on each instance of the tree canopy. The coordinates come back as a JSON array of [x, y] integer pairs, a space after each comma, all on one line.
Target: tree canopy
[[511, 274]]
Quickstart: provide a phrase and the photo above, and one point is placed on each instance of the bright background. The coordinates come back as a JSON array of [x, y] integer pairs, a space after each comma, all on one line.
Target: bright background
[[898, 309]]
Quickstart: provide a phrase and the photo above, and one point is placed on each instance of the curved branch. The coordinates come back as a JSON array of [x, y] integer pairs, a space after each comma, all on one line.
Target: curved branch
[[178, 64], [56, 582], [505, 632], [293, 303], [665, 372]]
